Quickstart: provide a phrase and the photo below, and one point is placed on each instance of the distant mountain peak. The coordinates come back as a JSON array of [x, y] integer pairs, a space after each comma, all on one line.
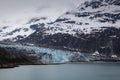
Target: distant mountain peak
[[14, 33]]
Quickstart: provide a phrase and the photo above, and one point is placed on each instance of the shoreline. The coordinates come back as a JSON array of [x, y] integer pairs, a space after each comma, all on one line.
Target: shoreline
[[96, 62], [18, 65]]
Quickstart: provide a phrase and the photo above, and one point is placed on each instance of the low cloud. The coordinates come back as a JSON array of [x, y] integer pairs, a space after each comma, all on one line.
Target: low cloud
[[16, 12]]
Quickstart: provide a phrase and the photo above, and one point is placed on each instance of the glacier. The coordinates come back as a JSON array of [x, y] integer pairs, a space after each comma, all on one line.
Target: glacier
[[58, 56]]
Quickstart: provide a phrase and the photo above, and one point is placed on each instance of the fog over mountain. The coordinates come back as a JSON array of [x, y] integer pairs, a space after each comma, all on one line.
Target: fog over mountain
[[18, 12]]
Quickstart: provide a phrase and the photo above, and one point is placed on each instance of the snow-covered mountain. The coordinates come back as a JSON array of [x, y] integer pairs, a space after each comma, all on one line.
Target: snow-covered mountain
[[87, 17], [14, 33], [94, 25], [91, 16]]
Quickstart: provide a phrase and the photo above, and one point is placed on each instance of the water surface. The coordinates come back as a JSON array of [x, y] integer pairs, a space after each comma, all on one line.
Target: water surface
[[63, 72]]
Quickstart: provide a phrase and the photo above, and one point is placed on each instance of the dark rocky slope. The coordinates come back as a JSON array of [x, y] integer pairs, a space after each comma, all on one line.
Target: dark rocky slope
[[102, 41], [11, 57]]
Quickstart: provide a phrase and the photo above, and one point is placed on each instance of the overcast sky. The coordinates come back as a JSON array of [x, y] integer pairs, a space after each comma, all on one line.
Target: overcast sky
[[20, 11]]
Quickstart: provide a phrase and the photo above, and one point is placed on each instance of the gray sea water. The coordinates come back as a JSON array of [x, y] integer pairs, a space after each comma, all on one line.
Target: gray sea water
[[63, 72]]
